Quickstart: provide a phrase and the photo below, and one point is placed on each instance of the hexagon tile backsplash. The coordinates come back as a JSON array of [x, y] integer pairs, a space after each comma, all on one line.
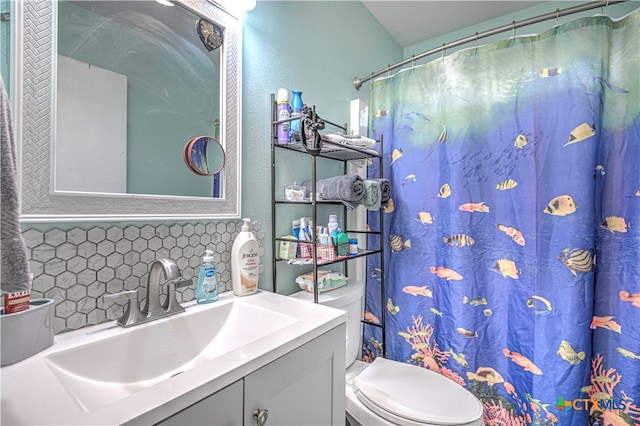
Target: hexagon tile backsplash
[[79, 266]]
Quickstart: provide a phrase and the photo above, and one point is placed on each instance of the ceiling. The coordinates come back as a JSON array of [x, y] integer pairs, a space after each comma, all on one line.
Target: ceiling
[[410, 22]]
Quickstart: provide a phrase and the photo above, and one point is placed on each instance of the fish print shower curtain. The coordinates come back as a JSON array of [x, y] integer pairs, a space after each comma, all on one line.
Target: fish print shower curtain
[[512, 240]]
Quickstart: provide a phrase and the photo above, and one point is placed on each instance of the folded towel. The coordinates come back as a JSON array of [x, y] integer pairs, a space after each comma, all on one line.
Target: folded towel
[[373, 196], [348, 188], [357, 141], [15, 264]]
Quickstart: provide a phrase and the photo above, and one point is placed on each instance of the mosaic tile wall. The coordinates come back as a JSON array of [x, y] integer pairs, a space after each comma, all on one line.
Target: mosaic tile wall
[[79, 266]]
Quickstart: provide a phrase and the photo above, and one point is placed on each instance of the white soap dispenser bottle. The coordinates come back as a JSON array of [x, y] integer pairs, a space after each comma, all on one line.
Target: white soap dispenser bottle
[[245, 261]]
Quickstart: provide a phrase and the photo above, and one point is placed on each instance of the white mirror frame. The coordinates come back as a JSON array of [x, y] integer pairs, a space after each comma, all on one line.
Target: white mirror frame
[[34, 103]]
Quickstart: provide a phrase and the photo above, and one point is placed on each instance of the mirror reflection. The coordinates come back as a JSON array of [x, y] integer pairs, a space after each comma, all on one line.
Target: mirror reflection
[[204, 156], [135, 79]]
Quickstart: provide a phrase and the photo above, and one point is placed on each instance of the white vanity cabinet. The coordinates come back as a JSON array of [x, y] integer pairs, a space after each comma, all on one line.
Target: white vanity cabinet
[[303, 387]]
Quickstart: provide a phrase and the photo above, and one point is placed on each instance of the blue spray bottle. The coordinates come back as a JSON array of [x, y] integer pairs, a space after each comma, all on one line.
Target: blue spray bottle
[[296, 111], [283, 112]]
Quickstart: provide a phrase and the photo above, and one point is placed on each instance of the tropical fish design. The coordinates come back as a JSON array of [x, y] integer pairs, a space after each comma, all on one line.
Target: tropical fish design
[[515, 234], [580, 133], [409, 116], [445, 191], [599, 171], [474, 207], [577, 260], [443, 134], [521, 141], [625, 296], [603, 379], [522, 361], [607, 323], [467, 333], [375, 272], [615, 224], [393, 309], [382, 113], [540, 305], [446, 273], [395, 155], [561, 206], [627, 353], [459, 358], [435, 311], [425, 217], [474, 301], [459, 240], [390, 207], [397, 243], [414, 290], [507, 268], [487, 312], [408, 179], [537, 402], [506, 185], [569, 354], [550, 72], [486, 374], [638, 193], [369, 316]]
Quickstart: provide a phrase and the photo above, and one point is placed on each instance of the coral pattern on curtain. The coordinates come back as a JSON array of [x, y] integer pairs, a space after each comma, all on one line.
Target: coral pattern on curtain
[[512, 241]]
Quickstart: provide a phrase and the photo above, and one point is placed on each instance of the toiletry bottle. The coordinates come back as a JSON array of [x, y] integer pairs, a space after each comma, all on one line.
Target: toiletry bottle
[[332, 227], [245, 262], [296, 111], [207, 290], [283, 111]]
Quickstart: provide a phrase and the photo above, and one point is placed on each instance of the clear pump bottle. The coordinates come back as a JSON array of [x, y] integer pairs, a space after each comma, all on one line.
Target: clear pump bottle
[[207, 290]]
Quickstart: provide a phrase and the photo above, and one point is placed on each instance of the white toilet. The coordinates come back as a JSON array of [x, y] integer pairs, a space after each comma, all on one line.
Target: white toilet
[[388, 392]]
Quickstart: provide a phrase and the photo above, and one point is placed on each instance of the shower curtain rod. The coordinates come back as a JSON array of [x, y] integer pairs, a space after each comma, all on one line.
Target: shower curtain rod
[[357, 81]]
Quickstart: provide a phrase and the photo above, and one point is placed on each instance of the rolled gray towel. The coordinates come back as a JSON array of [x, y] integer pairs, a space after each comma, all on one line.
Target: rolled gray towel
[[373, 199], [349, 189], [15, 262], [385, 190]]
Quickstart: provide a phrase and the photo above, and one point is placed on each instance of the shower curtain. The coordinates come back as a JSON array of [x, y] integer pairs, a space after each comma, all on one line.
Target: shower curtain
[[512, 240]]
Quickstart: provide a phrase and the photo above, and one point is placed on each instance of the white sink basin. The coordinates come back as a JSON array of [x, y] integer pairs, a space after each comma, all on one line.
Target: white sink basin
[[105, 370], [106, 374]]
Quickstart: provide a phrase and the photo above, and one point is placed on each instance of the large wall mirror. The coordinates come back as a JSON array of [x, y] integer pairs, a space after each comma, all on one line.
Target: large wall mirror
[[110, 93]]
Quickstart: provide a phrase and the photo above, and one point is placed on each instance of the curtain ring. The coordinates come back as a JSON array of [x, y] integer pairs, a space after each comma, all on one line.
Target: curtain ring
[[557, 17], [444, 49], [388, 70], [413, 61], [514, 28]]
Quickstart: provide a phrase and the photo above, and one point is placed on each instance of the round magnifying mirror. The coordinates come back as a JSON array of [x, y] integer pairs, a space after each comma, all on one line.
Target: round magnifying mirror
[[204, 155]]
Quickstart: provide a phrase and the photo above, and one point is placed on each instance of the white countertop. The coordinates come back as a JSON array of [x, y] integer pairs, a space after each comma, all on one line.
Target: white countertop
[[32, 394]]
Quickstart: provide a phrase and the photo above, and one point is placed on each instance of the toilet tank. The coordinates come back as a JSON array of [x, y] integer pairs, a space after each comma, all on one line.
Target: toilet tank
[[348, 298]]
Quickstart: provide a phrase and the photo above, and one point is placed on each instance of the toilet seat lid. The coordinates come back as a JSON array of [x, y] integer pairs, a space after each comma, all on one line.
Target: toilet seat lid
[[402, 392]]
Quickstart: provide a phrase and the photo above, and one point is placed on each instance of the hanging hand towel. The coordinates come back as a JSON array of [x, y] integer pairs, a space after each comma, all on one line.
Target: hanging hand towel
[[349, 189], [15, 264], [373, 197]]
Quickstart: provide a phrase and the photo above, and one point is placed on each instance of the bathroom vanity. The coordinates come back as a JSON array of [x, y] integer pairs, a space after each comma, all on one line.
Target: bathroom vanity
[[260, 359]]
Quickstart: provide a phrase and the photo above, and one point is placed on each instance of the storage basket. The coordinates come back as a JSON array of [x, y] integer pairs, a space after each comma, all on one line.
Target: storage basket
[[324, 251]]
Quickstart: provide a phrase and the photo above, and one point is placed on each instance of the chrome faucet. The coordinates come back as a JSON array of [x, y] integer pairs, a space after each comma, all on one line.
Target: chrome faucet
[[153, 309]]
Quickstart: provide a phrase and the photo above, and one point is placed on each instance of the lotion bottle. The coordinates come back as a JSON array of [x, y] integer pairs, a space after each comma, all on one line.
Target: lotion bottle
[[207, 290], [245, 261]]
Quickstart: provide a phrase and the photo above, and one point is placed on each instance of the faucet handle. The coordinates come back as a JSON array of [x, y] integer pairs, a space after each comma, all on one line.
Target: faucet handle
[[171, 304], [132, 314]]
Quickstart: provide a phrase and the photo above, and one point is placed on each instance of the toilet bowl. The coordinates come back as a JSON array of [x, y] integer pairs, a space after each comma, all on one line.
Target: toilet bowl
[[387, 392]]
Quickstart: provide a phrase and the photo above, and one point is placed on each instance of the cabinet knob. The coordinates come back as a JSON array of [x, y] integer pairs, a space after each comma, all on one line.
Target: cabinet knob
[[260, 416]]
